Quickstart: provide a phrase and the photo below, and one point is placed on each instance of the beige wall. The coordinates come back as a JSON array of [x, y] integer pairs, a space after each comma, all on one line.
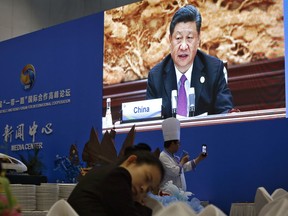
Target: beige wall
[[18, 17]]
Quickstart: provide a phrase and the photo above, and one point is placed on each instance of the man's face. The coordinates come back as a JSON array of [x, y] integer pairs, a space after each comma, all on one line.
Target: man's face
[[174, 147], [184, 44]]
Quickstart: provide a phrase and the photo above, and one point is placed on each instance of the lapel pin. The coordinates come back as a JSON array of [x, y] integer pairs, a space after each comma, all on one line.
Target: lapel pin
[[202, 79]]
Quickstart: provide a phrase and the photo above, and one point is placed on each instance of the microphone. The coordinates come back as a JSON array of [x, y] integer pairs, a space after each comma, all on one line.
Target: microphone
[[191, 101], [174, 102]]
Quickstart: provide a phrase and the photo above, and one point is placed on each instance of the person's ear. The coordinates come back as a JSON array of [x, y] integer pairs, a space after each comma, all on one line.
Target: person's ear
[[131, 159]]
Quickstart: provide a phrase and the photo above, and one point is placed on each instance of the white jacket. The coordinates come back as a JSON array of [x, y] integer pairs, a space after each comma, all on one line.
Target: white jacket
[[173, 169]]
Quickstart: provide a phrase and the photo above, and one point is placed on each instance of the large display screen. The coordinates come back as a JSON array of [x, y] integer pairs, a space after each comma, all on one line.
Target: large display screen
[[248, 36]]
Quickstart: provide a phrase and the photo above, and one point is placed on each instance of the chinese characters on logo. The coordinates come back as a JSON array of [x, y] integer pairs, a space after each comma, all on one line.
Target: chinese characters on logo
[[19, 134]]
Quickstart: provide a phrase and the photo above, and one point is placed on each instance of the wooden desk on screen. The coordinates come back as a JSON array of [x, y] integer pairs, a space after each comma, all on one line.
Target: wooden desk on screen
[[254, 86], [204, 120]]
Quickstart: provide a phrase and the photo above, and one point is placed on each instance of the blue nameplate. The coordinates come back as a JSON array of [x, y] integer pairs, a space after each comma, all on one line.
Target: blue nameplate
[[142, 110]]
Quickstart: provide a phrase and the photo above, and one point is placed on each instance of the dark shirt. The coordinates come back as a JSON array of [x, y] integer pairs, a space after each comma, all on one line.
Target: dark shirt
[[106, 191]]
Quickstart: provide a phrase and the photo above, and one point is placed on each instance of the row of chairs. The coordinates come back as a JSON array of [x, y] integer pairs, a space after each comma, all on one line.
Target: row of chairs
[[271, 205], [264, 204], [63, 208]]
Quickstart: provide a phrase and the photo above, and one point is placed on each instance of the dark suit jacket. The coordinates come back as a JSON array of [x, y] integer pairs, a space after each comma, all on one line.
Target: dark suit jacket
[[213, 96], [106, 191]]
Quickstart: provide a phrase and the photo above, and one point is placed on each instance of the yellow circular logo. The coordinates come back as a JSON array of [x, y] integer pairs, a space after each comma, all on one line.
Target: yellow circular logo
[[28, 75]]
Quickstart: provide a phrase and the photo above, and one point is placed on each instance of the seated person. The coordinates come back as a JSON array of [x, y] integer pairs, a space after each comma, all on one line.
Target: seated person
[[118, 189], [185, 67]]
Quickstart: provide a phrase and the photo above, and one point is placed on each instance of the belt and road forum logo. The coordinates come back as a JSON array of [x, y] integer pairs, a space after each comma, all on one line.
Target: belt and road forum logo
[[28, 75]]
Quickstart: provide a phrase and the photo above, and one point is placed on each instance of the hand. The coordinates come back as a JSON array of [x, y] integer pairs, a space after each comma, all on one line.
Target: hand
[[184, 160], [203, 156], [200, 158]]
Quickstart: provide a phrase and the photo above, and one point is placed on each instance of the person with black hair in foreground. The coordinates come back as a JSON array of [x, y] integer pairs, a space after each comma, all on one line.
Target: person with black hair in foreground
[[118, 189]]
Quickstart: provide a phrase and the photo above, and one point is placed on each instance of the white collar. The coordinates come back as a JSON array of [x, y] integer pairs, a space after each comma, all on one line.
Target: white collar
[[188, 74]]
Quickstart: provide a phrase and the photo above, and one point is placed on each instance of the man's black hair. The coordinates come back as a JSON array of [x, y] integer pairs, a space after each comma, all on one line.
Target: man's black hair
[[185, 14]]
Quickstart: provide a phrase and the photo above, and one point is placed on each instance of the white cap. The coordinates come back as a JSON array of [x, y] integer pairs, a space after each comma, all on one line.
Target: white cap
[[171, 129]]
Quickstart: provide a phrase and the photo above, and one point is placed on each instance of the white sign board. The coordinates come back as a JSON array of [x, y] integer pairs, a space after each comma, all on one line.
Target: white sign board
[[142, 110]]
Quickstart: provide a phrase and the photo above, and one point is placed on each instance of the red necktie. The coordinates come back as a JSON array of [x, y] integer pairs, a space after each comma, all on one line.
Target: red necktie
[[182, 98]]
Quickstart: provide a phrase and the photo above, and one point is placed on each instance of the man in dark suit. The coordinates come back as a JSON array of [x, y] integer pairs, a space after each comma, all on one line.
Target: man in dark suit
[[202, 72]]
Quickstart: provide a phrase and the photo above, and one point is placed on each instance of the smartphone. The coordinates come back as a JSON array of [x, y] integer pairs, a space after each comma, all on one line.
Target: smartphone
[[204, 149]]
